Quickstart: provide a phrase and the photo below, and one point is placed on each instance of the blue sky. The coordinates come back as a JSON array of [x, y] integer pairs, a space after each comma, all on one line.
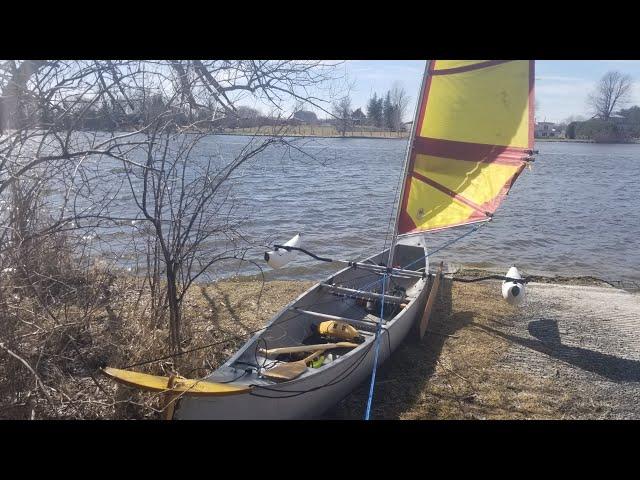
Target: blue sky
[[562, 86]]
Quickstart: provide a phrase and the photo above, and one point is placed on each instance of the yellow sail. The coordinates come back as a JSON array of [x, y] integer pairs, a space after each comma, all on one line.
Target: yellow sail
[[473, 136]]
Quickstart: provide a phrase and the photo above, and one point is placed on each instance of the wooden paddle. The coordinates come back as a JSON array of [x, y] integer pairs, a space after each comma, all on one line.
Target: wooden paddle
[[306, 348], [290, 370], [424, 321]]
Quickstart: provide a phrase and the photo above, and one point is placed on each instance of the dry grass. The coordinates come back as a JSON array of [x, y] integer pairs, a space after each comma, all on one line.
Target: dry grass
[[457, 372], [231, 309], [67, 347]]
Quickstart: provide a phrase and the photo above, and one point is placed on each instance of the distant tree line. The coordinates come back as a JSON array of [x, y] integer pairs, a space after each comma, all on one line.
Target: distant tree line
[[388, 111], [383, 112], [116, 113], [623, 127], [119, 113]]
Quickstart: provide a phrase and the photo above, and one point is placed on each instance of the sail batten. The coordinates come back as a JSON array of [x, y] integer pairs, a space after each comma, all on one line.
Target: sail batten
[[473, 137]]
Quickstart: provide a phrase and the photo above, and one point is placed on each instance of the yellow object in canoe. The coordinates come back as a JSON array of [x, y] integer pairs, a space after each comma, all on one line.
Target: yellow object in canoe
[[187, 386], [338, 329]]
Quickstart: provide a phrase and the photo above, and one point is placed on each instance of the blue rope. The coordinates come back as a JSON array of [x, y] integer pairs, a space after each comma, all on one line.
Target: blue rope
[[442, 247], [367, 414], [375, 360]]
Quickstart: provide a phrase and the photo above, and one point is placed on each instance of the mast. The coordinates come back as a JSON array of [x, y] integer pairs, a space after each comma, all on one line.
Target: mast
[[407, 159]]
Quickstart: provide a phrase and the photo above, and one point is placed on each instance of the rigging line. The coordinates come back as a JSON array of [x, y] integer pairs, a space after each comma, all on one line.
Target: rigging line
[[447, 244], [345, 374], [397, 203], [235, 337], [377, 352], [337, 379], [202, 347], [393, 207]]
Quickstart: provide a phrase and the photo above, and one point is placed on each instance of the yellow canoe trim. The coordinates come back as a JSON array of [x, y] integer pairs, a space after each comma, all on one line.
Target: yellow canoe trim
[[157, 383]]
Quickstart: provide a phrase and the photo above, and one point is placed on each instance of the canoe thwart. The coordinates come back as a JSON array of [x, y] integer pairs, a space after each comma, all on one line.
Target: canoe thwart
[[367, 325], [305, 348]]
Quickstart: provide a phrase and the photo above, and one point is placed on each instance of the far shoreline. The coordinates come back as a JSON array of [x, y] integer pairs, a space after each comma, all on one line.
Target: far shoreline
[[405, 137], [584, 140], [311, 136]]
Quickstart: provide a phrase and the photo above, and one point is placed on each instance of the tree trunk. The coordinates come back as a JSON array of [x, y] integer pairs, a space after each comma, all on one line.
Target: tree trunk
[[14, 96], [174, 312]]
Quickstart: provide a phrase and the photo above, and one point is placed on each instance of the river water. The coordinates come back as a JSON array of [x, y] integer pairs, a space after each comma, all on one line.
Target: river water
[[576, 212]]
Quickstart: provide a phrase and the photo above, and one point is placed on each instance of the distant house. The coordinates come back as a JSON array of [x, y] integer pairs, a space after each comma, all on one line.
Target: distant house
[[548, 130], [358, 118], [305, 116], [407, 126]]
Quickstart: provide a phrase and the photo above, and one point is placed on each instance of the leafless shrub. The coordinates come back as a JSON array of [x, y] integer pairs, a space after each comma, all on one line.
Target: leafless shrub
[[110, 211]]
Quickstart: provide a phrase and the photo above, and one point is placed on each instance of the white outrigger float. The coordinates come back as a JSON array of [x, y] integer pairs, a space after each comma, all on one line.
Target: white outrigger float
[[458, 168]]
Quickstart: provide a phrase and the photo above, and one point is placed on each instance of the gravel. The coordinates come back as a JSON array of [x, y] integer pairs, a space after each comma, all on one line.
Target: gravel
[[586, 340]]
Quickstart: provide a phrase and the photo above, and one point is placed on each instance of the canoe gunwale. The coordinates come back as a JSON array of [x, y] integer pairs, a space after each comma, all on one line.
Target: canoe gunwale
[[312, 393], [352, 353]]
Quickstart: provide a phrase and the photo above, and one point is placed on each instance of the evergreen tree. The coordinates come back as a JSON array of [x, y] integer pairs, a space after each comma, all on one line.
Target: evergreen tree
[[380, 120], [388, 112], [374, 111]]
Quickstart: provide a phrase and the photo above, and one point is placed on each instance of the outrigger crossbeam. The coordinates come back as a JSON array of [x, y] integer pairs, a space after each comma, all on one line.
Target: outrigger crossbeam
[[365, 266]]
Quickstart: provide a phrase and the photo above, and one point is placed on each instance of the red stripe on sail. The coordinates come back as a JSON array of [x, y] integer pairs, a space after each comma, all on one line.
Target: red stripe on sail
[[469, 68], [472, 152], [406, 223], [493, 204], [532, 79], [449, 192]]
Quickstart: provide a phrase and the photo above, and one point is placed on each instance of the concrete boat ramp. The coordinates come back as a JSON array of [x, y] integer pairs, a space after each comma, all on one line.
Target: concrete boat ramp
[[586, 339], [570, 352]]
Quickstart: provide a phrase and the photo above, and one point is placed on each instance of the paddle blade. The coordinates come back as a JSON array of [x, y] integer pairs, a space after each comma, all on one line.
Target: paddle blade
[[424, 321], [156, 383]]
